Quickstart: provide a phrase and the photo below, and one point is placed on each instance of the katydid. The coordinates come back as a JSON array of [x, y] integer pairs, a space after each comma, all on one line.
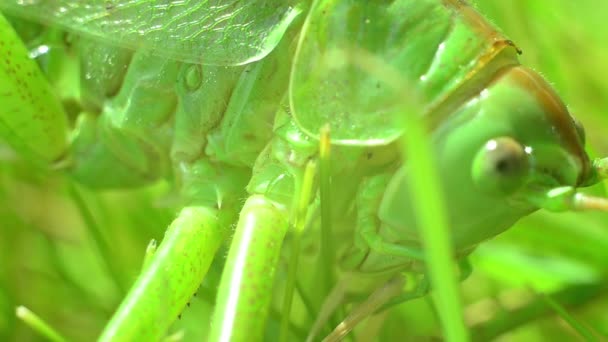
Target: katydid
[[231, 100]]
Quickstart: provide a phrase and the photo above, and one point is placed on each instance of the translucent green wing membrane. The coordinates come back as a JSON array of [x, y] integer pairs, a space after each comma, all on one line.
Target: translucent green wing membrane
[[362, 65], [329, 83], [217, 32]]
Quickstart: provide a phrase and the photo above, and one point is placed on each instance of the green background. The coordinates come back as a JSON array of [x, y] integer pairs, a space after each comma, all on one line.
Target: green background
[[51, 262]]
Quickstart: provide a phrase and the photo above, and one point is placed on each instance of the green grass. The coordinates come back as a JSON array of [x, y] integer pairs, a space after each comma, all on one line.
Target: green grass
[[50, 262]]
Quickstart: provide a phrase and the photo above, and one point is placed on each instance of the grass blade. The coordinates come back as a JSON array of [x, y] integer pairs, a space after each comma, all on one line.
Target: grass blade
[[38, 324]]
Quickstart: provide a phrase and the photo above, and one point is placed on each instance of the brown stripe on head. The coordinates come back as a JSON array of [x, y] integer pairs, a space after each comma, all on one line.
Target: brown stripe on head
[[556, 112]]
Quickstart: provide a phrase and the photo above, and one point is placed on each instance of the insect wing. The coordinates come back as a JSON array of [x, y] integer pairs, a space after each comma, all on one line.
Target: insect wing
[[215, 32], [361, 66], [345, 72]]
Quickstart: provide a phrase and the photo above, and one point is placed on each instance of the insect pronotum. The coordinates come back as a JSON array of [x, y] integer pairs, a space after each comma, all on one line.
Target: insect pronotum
[[339, 137]]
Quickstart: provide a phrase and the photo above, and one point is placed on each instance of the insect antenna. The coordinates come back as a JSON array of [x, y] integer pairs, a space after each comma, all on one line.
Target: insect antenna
[[587, 202]]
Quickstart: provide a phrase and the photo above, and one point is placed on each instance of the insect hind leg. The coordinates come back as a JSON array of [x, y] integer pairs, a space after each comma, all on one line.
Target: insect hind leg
[[368, 202]]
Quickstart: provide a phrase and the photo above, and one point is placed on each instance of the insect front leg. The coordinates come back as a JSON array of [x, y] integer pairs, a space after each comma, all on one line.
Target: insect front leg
[[376, 249], [370, 228], [381, 300]]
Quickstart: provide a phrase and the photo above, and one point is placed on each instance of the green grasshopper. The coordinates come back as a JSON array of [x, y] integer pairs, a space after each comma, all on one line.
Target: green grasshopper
[[238, 100]]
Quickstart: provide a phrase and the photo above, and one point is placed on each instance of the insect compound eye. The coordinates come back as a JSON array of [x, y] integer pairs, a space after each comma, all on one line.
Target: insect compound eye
[[193, 77], [501, 166]]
